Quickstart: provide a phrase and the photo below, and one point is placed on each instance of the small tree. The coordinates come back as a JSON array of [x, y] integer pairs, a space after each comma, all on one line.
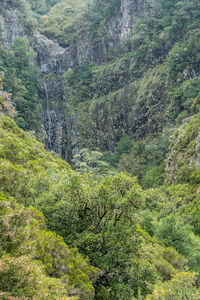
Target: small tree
[[90, 161]]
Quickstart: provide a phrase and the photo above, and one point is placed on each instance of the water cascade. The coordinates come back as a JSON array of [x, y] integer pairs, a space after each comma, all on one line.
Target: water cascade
[[48, 117]]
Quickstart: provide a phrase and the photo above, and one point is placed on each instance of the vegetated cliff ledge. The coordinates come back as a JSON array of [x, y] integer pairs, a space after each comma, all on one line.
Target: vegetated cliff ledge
[[184, 158]]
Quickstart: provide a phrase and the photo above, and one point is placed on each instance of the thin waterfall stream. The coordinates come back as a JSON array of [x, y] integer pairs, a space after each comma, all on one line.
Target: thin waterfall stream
[[48, 114]]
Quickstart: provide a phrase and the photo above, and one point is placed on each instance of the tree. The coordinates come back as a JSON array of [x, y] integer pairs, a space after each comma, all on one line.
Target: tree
[[182, 286], [90, 161], [122, 147]]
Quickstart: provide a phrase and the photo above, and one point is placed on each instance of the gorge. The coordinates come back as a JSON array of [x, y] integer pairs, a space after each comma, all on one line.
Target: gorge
[[99, 149]]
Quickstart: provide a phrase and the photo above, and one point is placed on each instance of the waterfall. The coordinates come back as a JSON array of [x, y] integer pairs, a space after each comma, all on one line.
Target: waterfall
[[48, 114]]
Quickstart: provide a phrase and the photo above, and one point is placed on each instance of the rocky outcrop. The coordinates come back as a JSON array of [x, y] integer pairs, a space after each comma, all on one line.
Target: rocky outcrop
[[11, 26], [120, 26], [51, 57]]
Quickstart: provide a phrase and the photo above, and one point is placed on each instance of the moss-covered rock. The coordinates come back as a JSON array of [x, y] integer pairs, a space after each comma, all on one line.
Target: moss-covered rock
[[184, 160]]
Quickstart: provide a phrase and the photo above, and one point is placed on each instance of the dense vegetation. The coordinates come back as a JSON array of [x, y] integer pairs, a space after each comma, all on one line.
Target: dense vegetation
[[29, 252], [125, 224], [22, 80], [62, 19], [122, 229], [41, 7], [152, 78]]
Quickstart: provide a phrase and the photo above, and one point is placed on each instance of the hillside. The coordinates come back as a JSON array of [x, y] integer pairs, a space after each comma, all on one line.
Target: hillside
[[113, 90], [119, 226]]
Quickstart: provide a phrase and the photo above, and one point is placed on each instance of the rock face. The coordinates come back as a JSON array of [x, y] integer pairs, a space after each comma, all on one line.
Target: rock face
[[52, 64], [50, 56], [11, 26], [120, 26]]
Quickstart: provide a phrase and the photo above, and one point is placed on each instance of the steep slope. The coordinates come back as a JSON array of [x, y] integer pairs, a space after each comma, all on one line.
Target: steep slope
[[118, 226], [59, 24], [34, 262], [183, 158], [28, 249], [40, 7], [101, 218]]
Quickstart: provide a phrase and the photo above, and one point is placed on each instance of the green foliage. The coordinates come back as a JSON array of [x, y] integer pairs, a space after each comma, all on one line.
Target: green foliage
[[124, 144], [22, 81], [63, 20], [103, 10], [110, 116], [23, 12], [65, 263], [78, 82], [170, 219], [184, 57], [21, 159], [142, 241], [174, 233], [95, 213], [192, 211], [23, 238], [184, 100], [42, 6], [145, 161], [90, 162], [21, 277], [130, 90], [154, 177], [182, 286], [103, 219], [182, 165], [122, 147], [167, 200]]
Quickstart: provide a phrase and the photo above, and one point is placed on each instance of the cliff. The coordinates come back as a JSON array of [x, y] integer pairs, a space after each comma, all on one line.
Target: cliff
[[67, 134], [111, 71]]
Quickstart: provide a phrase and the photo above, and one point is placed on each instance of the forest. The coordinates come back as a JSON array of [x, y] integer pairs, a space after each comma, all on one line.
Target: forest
[[100, 149]]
